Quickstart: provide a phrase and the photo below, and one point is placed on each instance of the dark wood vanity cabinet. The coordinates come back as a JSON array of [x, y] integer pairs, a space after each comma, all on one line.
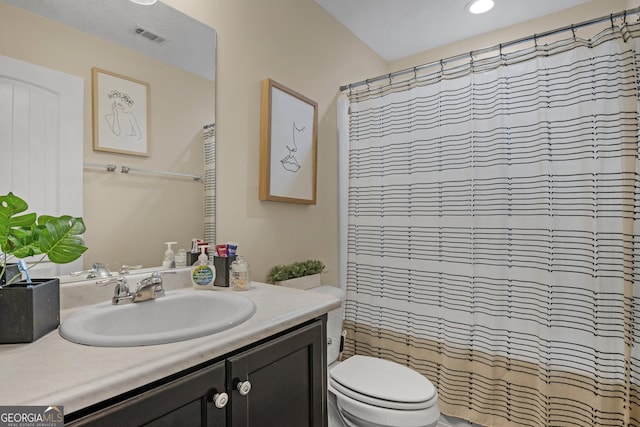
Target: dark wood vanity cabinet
[[183, 401], [288, 381], [280, 382]]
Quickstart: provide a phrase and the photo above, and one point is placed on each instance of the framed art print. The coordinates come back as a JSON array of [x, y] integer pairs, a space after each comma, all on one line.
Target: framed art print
[[120, 113], [288, 145]]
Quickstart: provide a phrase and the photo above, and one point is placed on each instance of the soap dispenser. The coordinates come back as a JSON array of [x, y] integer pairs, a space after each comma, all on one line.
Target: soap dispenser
[[169, 260], [203, 273]]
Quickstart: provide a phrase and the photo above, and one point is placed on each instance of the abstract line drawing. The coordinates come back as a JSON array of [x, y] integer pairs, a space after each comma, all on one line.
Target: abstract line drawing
[[289, 162], [288, 145], [120, 113], [121, 120]]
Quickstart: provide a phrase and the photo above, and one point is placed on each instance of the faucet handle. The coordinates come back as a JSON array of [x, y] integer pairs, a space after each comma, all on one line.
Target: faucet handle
[[120, 280], [156, 279], [121, 293], [150, 287], [126, 269]]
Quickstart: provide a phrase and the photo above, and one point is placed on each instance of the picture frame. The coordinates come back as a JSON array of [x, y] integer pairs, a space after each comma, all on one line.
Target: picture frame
[[120, 113], [288, 145]]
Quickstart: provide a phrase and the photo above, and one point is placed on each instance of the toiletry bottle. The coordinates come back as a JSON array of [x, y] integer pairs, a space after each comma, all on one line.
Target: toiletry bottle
[[169, 260], [240, 275], [181, 258], [203, 273]]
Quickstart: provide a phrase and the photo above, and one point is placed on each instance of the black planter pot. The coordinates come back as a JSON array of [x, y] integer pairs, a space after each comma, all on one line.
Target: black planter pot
[[29, 310], [10, 272]]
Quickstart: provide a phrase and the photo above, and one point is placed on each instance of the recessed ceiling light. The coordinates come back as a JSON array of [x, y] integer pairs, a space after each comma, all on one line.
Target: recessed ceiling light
[[144, 2], [480, 6]]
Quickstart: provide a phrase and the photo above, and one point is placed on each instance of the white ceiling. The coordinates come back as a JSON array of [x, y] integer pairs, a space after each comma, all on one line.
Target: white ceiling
[[117, 20], [400, 28], [392, 28]]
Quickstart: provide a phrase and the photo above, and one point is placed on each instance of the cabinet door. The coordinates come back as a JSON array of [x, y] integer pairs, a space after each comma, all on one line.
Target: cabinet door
[[287, 378], [186, 401]]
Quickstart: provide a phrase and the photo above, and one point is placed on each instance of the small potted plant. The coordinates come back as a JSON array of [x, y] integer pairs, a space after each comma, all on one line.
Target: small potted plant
[[299, 275], [30, 309]]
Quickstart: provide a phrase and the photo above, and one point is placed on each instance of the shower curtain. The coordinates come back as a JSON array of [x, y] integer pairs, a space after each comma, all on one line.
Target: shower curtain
[[209, 136], [491, 229]]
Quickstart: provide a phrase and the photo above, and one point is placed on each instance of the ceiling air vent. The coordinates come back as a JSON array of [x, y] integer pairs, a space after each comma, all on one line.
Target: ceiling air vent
[[149, 35]]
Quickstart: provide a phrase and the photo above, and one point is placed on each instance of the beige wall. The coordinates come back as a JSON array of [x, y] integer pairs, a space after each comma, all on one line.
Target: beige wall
[[296, 43]]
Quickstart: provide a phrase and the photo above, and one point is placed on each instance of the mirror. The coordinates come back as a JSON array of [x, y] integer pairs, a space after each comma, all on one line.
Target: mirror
[[129, 216], [157, 30]]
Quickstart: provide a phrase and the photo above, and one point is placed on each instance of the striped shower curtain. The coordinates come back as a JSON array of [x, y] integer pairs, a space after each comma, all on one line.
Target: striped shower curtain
[[491, 237], [209, 136]]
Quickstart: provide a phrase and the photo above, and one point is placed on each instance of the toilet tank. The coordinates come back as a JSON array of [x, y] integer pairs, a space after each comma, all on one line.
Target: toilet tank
[[334, 322]]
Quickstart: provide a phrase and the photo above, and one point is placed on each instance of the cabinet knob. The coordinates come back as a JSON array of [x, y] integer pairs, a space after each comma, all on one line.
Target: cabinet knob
[[220, 399], [244, 387]]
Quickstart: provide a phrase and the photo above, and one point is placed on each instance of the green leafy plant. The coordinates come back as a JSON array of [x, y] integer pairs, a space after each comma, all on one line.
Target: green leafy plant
[[297, 269], [25, 234]]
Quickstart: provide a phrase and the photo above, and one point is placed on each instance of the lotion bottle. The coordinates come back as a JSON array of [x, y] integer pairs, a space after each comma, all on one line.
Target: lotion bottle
[[203, 273]]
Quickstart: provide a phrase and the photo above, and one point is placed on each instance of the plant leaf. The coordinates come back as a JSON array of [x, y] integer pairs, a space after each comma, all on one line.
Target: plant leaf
[[292, 271], [59, 238], [10, 222], [22, 243]]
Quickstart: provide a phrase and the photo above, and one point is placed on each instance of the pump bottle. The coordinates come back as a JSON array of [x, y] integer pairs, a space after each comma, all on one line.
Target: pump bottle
[[203, 273], [169, 260]]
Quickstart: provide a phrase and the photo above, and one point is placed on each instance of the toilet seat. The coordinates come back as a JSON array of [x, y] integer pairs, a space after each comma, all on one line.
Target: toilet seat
[[382, 383], [355, 413]]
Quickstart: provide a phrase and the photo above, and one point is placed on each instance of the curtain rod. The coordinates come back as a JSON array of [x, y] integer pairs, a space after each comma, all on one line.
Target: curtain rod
[[572, 27]]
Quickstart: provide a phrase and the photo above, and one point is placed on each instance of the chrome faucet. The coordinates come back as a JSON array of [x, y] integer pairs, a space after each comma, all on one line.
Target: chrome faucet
[[147, 289], [121, 293], [98, 270]]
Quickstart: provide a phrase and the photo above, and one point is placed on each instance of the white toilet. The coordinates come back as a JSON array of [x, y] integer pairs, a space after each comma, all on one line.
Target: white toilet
[[370, 392]]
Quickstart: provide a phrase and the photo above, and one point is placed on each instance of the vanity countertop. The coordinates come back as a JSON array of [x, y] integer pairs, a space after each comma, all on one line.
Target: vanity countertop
[[54, 371]]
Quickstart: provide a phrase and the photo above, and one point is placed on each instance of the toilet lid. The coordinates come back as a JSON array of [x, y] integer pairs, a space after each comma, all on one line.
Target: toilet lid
[[383, 379]]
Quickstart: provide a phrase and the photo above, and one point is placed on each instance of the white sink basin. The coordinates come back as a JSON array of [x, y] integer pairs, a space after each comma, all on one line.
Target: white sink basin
[[178, 316]]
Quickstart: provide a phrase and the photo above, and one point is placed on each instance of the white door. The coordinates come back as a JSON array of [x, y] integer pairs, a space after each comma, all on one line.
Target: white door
[[41, 131]]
